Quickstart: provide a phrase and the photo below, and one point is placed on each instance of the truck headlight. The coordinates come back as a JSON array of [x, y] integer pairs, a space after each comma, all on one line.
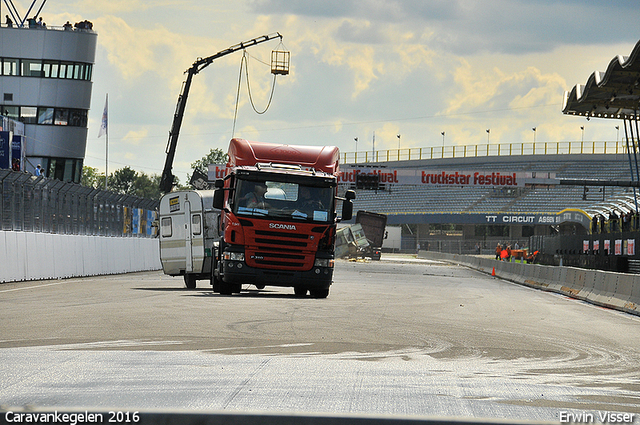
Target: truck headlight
[[234, 256], [324, 262]]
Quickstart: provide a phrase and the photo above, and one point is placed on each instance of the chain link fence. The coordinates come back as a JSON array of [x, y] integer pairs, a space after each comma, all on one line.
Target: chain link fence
[[38, 204]]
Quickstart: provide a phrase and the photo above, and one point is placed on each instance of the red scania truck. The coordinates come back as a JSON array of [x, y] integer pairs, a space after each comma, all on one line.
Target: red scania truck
[[278, 217]]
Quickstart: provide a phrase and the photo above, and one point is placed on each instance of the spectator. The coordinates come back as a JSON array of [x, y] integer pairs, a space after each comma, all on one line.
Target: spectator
[[9, 22], [68, 26]]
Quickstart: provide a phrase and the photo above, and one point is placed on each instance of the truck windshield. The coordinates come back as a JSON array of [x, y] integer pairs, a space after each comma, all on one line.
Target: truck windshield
[[290, 201]]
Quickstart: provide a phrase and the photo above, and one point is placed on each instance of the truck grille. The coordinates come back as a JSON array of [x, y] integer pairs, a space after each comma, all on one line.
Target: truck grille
[[282, 250]]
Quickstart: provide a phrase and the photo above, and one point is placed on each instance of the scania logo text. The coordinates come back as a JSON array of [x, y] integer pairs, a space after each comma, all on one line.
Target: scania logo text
[[282, 226]]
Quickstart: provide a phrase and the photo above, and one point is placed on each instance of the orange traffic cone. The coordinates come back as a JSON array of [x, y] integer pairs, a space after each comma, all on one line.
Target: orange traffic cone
[[493, 272]]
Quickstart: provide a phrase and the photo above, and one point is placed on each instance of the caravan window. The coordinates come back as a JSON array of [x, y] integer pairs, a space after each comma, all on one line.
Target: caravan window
[[165, 227], [196, 226]]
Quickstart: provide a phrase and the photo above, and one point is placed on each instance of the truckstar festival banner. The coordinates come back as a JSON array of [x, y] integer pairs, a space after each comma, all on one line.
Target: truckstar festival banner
[[434, 177], [427, 177]]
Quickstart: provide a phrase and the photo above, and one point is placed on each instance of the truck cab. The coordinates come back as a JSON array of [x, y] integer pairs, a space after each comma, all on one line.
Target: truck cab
[[278, 218]]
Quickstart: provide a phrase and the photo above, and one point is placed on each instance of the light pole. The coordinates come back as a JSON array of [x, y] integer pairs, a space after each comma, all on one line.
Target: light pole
[[398, 142], [534, 134], [488, 133], [617, 133], [373, 152], [582, 128], [442, 138], [355, 160]]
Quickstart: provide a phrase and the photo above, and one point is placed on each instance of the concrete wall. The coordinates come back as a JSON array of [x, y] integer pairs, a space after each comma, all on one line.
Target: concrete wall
[[620, 291], [33, 256]]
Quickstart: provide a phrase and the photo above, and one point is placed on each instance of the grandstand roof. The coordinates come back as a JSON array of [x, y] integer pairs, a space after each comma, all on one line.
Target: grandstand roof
[[614, 93]]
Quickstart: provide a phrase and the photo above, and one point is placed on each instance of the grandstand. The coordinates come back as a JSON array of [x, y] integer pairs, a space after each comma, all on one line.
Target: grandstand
[[513, 214], [420, 200]]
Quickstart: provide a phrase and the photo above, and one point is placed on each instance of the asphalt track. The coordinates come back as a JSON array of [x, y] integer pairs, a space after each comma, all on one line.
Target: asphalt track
[[396, 337]]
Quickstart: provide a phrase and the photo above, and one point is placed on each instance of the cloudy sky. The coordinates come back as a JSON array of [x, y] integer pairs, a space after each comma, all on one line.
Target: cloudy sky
[[358, 67]]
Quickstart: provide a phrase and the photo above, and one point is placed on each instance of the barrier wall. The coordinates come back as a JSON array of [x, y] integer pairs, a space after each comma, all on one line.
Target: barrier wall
[[33, 256], [620, 291]]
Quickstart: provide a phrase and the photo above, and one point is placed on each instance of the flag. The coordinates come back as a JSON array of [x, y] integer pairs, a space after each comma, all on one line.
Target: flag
[[103, 126]]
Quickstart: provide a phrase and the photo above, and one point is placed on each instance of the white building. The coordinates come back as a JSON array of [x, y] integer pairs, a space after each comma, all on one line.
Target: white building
[[45, 82]]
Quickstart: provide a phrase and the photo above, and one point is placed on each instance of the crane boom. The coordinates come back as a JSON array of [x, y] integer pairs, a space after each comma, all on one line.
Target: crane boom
[[166, 181]]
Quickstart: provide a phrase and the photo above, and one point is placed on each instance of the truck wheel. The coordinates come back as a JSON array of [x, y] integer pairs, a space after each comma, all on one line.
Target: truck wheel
[[215, 283], [319, 293], [190, 281], [300, 292], [226, 288], [230, 288]]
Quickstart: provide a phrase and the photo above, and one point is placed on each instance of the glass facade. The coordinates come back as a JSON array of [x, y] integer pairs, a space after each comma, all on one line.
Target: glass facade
[[44, 68], [46, 115]]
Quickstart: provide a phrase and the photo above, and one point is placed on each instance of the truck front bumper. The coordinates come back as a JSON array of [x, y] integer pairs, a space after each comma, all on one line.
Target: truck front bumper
[[239, 273]]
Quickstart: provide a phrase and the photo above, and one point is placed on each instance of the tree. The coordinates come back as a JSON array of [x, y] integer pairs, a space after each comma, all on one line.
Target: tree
[[125, 181], [146, 186], [122, 180], [91, 177], [215, 156]]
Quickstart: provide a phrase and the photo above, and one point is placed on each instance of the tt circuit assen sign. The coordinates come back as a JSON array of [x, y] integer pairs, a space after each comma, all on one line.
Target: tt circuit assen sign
[[525, 219]]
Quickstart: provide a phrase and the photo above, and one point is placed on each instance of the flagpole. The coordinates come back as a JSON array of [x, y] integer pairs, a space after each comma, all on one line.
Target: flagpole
[[104, 129], [106, 154]]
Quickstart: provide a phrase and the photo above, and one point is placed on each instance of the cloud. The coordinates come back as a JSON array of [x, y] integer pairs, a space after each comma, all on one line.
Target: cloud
[[467, 27], [494, 89]]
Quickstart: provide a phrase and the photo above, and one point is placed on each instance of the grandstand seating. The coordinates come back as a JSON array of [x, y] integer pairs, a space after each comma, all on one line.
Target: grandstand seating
[[548, 199]]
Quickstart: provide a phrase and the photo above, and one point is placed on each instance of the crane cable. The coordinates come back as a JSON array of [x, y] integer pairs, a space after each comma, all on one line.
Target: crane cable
[[244, 62]]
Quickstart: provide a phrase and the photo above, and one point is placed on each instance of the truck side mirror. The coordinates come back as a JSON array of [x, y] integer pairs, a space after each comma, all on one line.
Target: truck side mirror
[[218, 199], [347, 205], [347, 209], [218, 194]]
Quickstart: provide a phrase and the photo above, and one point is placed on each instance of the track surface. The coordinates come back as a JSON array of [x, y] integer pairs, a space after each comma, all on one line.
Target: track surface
[[399, 337]]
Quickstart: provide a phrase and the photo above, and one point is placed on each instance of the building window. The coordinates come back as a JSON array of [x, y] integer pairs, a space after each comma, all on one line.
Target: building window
[[78, 118], [63, 169], [46, 69], [8, 97], [29, 114], [45, 115], [66, 70], [10, 111], [32, 68], [9, 66], [62, 117]]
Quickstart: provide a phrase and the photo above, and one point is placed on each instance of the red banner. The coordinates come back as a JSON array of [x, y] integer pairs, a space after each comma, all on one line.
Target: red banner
[[427, 177]]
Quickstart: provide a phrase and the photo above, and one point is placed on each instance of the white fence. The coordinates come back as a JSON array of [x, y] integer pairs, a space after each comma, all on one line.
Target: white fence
[[33, 256]]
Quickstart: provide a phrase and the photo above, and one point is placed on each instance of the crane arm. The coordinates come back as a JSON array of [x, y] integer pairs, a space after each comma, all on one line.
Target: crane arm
[[166, 181]]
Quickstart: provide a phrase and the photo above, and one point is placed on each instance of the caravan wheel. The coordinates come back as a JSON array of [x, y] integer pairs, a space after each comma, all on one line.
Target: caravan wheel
[[190, 281]]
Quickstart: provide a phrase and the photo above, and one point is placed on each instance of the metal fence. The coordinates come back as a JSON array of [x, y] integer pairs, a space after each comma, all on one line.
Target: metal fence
[[38, 204], [485, 150]]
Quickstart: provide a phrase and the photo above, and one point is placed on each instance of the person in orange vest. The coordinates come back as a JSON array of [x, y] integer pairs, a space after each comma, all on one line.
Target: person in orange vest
[[498, 251], [508, 252]]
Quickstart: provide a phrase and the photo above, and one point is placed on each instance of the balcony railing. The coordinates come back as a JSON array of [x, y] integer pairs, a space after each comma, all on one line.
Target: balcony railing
[[485, 150]]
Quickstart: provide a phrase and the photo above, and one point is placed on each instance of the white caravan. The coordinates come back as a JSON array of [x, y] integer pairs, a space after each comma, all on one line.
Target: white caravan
[[188, 234]]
